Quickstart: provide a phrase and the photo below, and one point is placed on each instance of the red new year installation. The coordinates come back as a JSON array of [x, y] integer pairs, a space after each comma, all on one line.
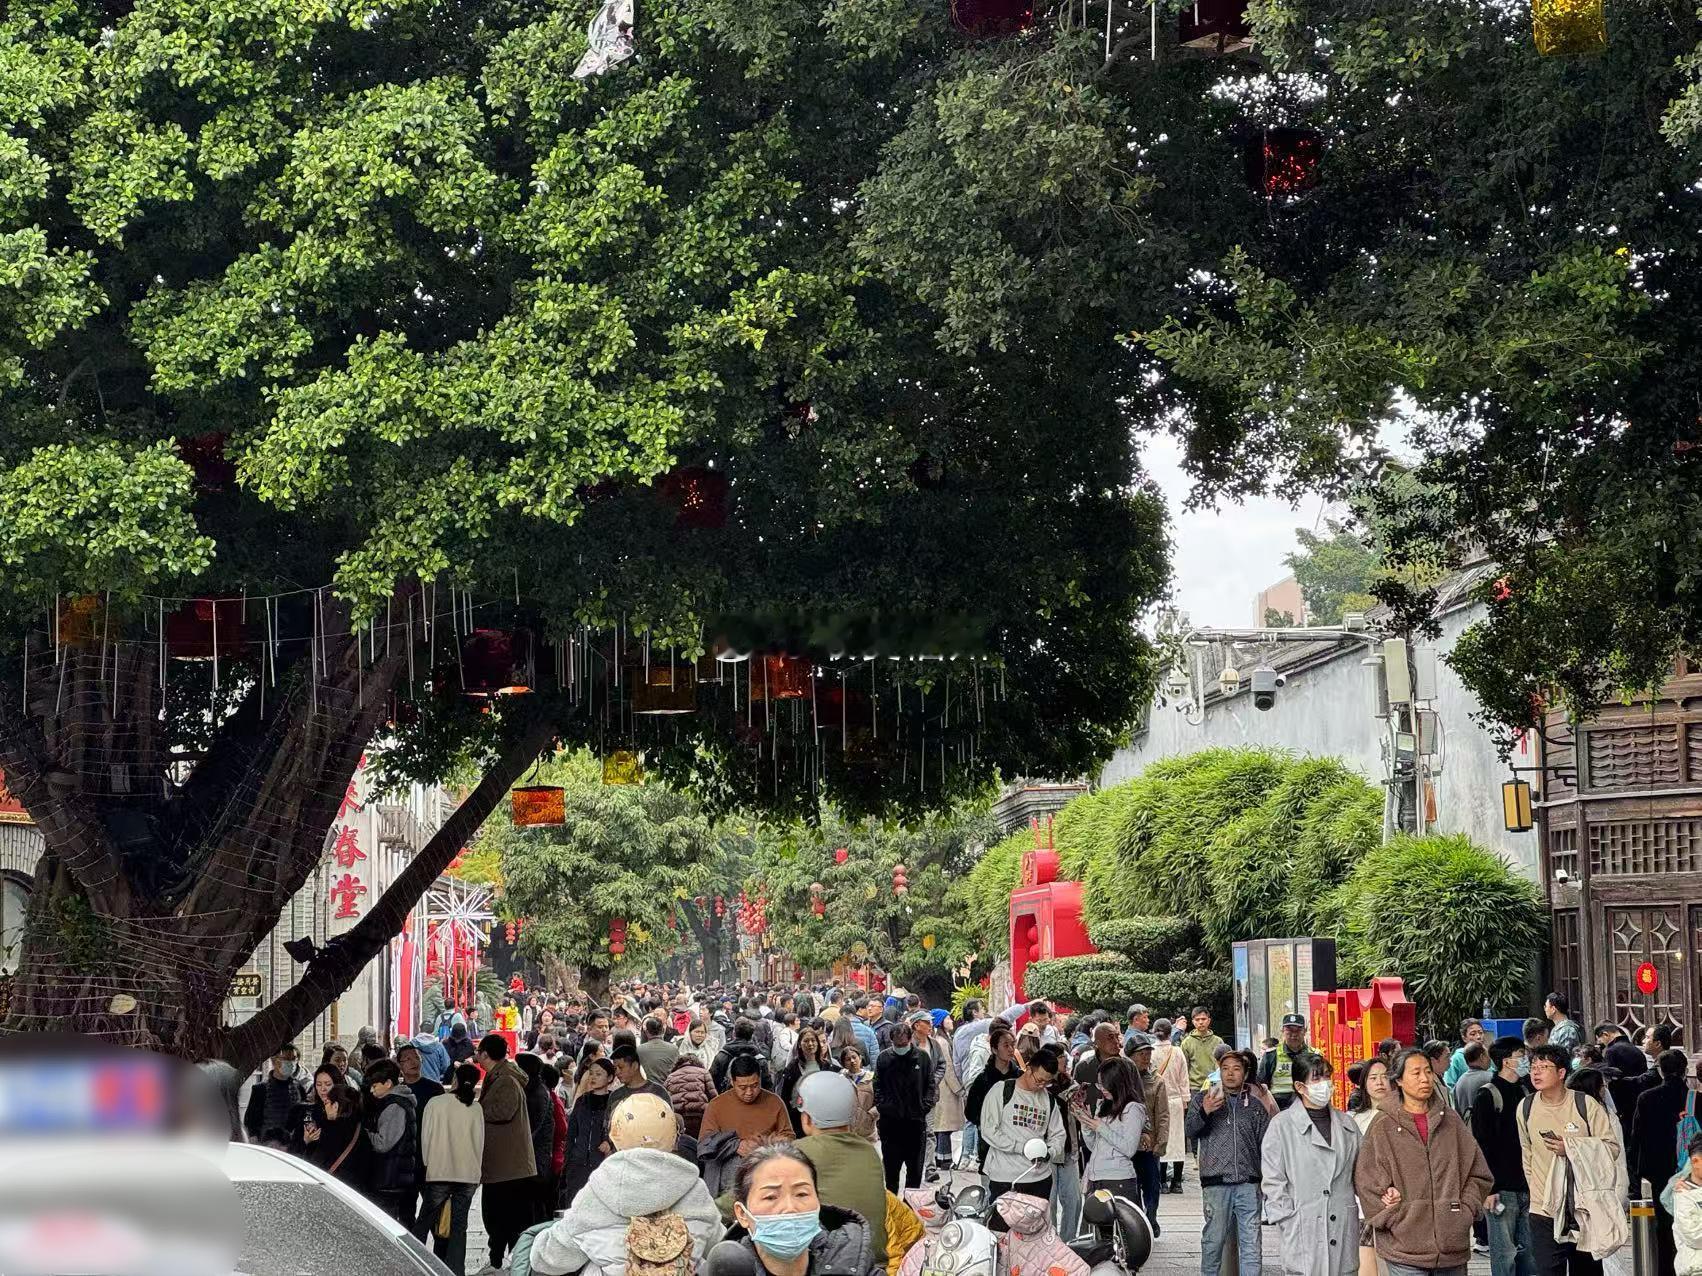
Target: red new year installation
[[1045, 913]]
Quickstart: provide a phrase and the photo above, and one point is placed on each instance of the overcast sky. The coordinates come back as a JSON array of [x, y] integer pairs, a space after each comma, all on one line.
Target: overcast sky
[[1223, 557]]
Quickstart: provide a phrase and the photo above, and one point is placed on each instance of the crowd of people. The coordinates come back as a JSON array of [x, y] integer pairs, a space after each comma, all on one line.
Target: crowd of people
[[876, 1095], [1525, 1147]]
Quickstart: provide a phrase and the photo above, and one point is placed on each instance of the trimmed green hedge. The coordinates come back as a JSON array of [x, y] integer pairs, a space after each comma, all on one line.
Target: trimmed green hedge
[[1061, 977], [1162, 992], [1149, 943]]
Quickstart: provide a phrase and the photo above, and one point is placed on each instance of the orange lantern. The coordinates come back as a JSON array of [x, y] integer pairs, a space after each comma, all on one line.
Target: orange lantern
[[81, 621], [539, 805], [666, 689], [780, 678]]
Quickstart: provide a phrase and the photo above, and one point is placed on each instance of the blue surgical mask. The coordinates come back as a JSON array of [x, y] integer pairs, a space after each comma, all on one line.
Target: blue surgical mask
[[1523, 1067], [785, 1236], [901, 1049]]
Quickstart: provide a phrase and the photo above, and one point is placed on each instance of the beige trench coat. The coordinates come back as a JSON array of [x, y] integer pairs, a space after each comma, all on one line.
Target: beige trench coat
[[1172, 1067]]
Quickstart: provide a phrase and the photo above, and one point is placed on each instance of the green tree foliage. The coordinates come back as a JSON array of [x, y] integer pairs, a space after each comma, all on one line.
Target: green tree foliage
[[1335, 572], [1499, 249], [983, 895], [453, 316], [625, 851], [1278, 845], [863, 916], [1450, 918]]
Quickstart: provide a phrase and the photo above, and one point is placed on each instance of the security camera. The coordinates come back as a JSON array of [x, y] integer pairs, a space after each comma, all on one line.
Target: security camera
[[1229, 681], [1265, 683], [1562, 876]]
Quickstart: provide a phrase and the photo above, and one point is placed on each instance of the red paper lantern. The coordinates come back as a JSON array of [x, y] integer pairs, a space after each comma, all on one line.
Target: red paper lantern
[[1284, 161], [204, 627], [988, 18], [491, 664], [508, 932], [841, 855], [698, 495], [1216, 26], [204, 454], [720, 906], [819, 907]]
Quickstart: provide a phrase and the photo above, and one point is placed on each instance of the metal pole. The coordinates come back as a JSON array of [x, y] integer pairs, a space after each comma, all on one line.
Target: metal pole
[[1644, 1261]]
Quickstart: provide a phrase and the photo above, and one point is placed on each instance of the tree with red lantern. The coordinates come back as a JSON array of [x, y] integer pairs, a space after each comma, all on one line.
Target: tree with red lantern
[[623, 857]]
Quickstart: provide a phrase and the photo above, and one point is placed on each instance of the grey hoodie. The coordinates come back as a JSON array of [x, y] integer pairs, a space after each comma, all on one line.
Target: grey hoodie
[[627, 1185]]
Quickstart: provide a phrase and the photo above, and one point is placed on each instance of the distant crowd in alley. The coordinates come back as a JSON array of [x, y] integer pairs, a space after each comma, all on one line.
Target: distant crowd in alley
[[748, 1112]]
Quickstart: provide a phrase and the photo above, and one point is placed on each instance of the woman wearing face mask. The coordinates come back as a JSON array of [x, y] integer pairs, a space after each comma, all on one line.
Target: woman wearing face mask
[[1308, 1159], [782, 1221], [1112, 1129]]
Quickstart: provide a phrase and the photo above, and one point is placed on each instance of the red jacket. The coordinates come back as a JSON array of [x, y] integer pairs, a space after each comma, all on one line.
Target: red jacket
[[558, 1153]]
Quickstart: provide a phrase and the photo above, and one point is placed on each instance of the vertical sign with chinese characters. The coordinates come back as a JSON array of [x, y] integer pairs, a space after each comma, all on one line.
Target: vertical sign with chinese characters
[[349, 869]]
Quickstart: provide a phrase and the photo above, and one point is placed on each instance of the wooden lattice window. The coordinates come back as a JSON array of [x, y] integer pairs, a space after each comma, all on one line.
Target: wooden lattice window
[[1646, 847], [1643, 755], [1569, 959], [1637, 935], [1563, 852]]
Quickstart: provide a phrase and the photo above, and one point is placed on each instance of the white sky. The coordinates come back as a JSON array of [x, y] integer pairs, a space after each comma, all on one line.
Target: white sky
[[1221, 558]]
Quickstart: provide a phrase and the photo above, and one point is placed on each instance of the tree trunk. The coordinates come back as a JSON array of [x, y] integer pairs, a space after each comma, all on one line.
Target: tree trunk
[[594, 983]]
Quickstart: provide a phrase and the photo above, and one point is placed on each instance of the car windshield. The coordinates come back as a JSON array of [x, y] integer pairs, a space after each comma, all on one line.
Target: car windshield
[[301, 1229]]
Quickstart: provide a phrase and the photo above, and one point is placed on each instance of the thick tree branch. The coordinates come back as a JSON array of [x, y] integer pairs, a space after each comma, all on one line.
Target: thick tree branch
[[69, 823], [337, 966]]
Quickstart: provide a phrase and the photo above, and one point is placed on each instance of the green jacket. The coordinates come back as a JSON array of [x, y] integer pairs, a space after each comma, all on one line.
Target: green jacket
[[1197, 1050], [849, 1175]]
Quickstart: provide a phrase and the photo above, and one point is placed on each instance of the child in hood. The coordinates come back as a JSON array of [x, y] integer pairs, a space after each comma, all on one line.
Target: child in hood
[[641, 1178]]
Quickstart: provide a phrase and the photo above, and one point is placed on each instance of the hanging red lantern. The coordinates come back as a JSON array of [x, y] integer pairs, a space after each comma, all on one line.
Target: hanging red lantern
[[508, 932], [539, 805], [720, 906], [819, 907], [900, 881], [702, 900], [1216, 26], [841, 855], [1283, 161], [780, 678], [985, 19], [491, 663], [698, 495], [204, 627], [204, 454]]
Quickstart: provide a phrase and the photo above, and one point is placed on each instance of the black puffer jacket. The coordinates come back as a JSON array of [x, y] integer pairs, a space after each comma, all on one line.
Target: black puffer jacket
[[841, 1248], [394, 1168]]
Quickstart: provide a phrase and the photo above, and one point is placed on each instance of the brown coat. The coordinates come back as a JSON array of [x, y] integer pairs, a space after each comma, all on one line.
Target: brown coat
[[508, 1130], [1442, 1184]]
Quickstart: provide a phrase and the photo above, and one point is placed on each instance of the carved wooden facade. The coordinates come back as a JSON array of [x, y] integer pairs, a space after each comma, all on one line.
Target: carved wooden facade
[[1621, 822]]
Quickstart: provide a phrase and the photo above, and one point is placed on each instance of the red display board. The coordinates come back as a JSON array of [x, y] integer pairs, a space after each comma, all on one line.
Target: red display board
[[1347, 1024]]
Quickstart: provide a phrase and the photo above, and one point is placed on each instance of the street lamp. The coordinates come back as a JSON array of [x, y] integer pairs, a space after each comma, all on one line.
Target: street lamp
[[1516, 806]]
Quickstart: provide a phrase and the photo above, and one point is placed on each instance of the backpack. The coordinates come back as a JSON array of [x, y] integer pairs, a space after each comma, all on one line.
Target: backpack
[[659, 1245], [1688, 1128], [1009, 1088], [1579, 1099]]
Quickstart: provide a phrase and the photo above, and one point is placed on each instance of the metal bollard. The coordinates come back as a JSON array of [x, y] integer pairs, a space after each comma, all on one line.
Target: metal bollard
[[1644, 1261]]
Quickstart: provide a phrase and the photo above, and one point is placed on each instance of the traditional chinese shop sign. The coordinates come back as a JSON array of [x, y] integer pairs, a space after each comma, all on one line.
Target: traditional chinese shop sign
[[349, 862]]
